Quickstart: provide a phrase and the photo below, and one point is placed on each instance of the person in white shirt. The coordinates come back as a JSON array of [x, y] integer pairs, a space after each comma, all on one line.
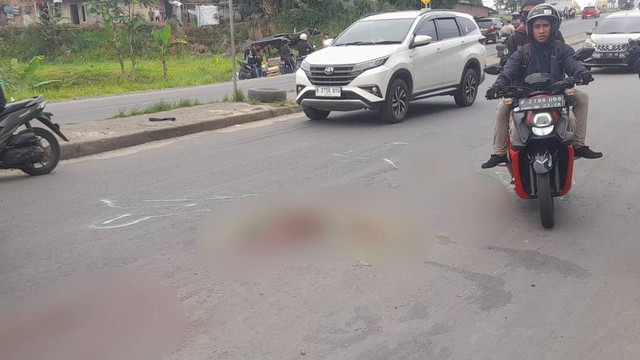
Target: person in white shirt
[[508, 29]]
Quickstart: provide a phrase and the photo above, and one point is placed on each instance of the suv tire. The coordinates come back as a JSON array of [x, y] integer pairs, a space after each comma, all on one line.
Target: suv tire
[[396, 105], [468, 90], [315, 114]]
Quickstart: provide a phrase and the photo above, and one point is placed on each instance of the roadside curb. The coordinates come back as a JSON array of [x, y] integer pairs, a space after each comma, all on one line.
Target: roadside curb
[[78, 149]]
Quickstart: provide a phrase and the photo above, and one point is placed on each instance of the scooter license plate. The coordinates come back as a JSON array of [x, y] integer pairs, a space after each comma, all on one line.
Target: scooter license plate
[[328, 91], [542, 102]]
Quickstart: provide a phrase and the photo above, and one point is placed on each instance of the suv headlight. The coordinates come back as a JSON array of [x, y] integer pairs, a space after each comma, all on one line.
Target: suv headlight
[[306, 67], [589, 44], [362, 67]]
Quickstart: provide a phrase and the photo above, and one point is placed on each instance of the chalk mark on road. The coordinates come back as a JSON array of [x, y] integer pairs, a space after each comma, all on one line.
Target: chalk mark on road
[[138, 211]]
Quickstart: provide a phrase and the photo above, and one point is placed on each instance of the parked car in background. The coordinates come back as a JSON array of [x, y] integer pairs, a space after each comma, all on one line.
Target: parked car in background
[[384, 61], [490, 28], [610, 39], [590, 11]]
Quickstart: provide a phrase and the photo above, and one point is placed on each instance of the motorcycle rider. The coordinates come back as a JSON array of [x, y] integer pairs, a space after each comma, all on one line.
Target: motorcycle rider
[[304, 48], [254, 59], [633, 56], [519, 36], [547, 55], [287, 55]]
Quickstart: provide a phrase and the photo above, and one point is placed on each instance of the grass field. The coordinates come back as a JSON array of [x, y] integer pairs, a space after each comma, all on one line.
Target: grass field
[[90, 79]]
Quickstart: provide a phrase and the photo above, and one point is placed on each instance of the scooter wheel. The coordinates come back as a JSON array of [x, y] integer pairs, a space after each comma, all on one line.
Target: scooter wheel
[[545, 200], [48, 142]]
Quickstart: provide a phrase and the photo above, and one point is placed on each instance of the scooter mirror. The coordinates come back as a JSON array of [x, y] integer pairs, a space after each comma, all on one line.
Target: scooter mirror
[[584, 53]]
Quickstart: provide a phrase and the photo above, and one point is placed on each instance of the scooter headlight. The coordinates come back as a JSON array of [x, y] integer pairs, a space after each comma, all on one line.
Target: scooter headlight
[[542, 119], [542, 131]]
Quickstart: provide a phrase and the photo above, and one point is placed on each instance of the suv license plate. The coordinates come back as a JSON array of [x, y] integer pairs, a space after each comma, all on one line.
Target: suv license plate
[[613, 55], [328, 91]]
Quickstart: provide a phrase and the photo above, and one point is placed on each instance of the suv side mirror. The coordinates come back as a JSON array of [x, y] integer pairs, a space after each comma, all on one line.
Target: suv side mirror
[[589, 32], [421, 40]]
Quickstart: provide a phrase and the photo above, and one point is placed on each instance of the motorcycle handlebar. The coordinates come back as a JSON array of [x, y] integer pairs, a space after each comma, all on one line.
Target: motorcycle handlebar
[[518, 91]]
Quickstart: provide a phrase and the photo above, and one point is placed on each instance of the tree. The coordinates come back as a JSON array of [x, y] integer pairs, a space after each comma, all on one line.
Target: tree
[[511, 5], [162, 37], [115, 11], [133, 21], [110, 12], [51, 31]]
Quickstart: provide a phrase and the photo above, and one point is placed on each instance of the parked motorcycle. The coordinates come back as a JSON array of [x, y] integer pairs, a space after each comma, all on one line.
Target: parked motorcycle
[[287, 66], [34, 150], [540, 154], [245, 71]]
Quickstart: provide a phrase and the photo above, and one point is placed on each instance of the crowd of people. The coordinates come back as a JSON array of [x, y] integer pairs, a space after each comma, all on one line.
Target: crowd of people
[[257, 57], [156, 14]]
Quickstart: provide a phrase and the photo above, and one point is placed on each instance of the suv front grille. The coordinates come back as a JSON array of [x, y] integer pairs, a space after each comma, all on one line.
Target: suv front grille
[[611, 47], [341, 75]]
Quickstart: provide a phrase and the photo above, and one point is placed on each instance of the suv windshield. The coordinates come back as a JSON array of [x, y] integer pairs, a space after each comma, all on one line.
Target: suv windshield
[[484, 24], [625, 25], [374, 32], [590, 8]]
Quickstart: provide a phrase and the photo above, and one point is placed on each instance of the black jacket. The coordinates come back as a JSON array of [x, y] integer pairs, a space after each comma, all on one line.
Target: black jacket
[[285, 51], [252, 56], [544, 59], [518, 39], [3, 101], [633, 58], [304, 48]]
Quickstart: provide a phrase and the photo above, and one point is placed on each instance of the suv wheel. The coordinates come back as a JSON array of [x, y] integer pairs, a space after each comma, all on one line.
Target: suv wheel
[[315, 114], [468, 91], [397, 104]]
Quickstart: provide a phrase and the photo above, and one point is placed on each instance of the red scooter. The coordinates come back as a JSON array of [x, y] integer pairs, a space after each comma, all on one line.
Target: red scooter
[[540, 154]]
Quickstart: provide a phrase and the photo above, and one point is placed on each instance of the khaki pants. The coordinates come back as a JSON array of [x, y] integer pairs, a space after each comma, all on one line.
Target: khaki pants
[[504, 122]]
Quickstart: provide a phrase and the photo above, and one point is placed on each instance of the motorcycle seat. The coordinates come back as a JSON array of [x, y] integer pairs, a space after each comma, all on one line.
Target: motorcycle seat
[[15, 106]]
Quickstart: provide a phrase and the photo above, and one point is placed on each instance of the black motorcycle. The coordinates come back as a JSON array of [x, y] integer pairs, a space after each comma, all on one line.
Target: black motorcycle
[[33, 150], [246, 72]]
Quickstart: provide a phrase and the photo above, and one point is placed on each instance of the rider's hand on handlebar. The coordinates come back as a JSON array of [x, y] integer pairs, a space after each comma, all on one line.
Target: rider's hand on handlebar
[[585, 78], [492, 93]]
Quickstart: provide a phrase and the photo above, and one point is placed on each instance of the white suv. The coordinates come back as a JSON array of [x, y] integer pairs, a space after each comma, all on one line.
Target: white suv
[[383, 61], [610, 39]]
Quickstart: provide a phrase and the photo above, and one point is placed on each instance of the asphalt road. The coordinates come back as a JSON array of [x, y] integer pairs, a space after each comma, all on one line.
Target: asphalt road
[[90, 109], [572, 292], [77, 111]]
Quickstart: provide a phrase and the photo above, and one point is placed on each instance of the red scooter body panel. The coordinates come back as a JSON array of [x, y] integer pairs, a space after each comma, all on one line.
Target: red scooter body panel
[[567, 184], [515, 162]]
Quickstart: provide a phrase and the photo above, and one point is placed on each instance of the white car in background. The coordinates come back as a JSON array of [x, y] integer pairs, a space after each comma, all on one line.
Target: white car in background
[[610, 38], [384, 61]]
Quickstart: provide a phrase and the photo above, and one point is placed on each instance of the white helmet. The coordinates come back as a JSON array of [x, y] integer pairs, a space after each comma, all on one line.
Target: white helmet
[[303, 36]]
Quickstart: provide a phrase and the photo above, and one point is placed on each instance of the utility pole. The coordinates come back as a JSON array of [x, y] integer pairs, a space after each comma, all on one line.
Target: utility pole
[[233, 50]]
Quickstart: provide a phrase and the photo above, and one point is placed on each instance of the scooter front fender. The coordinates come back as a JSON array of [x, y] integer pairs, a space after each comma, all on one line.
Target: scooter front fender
[[543, 164]]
